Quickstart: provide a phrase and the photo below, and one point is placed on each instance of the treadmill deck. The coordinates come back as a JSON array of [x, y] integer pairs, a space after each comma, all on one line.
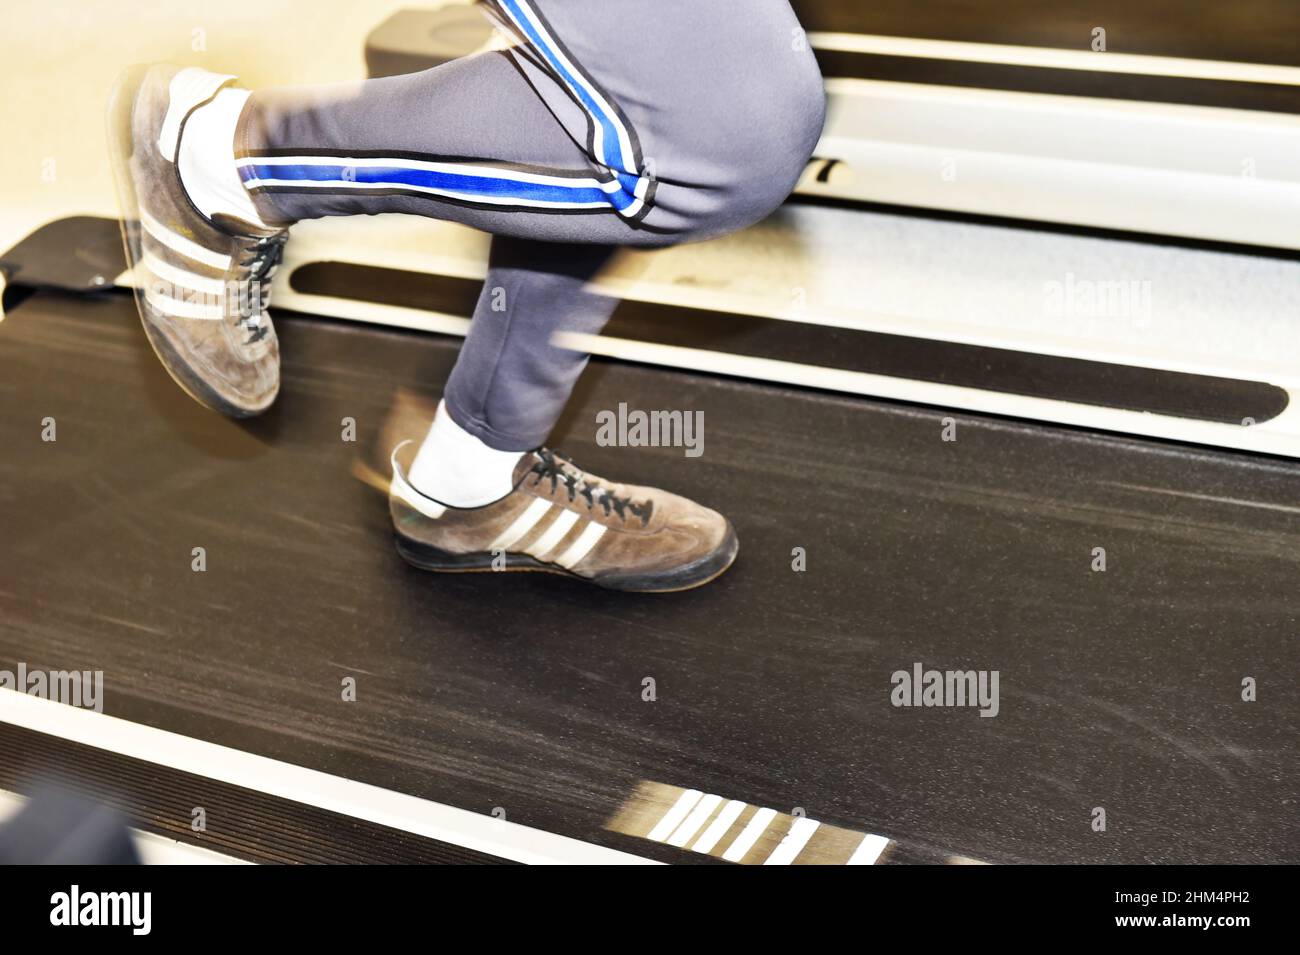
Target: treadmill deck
[[524, 693]]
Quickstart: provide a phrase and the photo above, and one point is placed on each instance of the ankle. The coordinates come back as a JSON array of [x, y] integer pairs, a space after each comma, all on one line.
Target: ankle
[[457, 469], [206, 160]]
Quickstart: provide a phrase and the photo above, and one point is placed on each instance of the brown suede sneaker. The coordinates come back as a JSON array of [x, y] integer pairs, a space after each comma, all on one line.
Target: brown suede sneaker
[[561, 520], [201, 286]]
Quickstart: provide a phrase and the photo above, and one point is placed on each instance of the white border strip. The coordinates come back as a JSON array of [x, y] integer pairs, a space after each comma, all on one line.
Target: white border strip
[[422, 817], [1056, 58], [1280, 435]]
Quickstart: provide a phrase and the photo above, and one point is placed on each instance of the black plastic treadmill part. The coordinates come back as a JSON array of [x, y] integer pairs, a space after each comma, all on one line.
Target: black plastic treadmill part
[[243, 823], [1119, 689], [1126, 387], [1187, 91], [1262, 32], [73, 254]]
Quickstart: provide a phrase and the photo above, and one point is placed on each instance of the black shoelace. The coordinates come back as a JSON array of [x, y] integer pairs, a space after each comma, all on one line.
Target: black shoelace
[[261, 257], [561, 470]]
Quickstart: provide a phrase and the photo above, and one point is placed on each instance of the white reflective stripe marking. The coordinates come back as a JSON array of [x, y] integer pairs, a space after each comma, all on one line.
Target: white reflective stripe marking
[[182, 277], [718, 828], [187, 89], [800, 832], [552, 535], [674, 816], [691, 825], [868, 851], [385, 807], [579, 549], [178, 243], [178, 308], [403, 491], [749, 835], [522, 525]]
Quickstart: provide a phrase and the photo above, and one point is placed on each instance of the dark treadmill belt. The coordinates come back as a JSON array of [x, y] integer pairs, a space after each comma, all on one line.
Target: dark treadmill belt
[[1118, 689]]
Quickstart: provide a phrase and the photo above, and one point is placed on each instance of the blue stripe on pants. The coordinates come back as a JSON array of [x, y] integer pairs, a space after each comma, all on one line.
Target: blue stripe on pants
[[461, 183]]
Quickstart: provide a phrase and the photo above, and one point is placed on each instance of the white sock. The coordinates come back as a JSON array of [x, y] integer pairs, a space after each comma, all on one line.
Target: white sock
[[457, 469], [206, 159]]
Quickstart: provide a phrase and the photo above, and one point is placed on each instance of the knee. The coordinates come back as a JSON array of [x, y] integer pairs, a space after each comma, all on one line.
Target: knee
[[761, 138], [774, 146], [784, 120]]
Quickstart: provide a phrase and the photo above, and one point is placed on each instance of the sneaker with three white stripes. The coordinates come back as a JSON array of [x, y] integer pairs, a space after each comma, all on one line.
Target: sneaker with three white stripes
[[562, 520], [202, 285]]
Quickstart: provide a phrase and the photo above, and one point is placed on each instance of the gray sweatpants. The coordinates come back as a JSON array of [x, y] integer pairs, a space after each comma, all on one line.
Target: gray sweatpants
[[612, 123]]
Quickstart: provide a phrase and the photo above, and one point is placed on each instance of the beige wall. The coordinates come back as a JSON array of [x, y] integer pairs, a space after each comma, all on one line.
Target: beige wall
[[58, 59]]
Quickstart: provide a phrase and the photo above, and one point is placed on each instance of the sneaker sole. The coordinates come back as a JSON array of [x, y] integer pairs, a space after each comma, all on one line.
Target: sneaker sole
[[686, 577], [121, 144]]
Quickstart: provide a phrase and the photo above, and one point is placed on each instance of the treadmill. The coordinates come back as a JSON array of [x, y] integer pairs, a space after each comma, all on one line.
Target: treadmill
[[943, 477]]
